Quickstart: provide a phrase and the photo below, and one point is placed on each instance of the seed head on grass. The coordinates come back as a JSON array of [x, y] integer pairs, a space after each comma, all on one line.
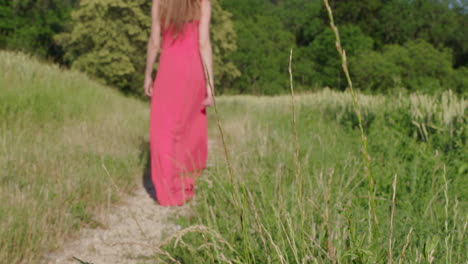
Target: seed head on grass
[[373, 215]]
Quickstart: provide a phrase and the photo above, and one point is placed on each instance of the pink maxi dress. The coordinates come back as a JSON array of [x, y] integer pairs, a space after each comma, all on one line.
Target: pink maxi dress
[[178, 122]]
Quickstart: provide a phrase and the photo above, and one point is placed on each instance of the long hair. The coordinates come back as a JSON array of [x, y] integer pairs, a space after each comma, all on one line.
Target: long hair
[[175, 13]]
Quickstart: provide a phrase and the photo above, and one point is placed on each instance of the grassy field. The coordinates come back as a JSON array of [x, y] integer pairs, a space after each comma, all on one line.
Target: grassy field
[[68, 147], [268, 211]]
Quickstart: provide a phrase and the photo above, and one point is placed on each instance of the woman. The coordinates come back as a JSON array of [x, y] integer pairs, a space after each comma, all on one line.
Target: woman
[[179, 96]]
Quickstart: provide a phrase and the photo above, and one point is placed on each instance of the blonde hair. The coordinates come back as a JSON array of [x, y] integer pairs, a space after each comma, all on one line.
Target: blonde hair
[[175, 13]]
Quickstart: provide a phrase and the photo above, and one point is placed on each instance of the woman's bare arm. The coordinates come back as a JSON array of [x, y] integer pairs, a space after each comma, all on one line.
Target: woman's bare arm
[[153, 47], [205, 42]]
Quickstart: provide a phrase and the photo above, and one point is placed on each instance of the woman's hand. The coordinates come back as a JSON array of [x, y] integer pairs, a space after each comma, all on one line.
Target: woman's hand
[[208, 101], [148, 86]]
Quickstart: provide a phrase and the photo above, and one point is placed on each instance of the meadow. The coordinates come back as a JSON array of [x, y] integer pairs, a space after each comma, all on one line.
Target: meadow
[[66, 144], [270, 209]]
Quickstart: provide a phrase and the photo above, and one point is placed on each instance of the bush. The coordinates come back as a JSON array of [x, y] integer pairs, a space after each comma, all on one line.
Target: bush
[[416, 66], [326, 70], [262, 56]]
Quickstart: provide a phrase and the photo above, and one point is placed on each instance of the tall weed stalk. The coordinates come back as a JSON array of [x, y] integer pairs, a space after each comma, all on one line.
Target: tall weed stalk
[[373, 221], [239, 200], [296, 141]]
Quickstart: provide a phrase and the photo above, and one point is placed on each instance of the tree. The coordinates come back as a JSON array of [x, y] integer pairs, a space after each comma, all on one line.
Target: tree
[[416, 66], [29, 25], [362, 13], [262, 56], [108, 40], [326, 69], [224, 38]]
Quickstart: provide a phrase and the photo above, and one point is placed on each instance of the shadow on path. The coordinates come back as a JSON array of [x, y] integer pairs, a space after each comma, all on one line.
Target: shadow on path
[[146, 177]]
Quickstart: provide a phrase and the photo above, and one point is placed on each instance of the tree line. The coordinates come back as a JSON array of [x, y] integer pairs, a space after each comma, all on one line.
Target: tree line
[[30, 25], [392, 45]]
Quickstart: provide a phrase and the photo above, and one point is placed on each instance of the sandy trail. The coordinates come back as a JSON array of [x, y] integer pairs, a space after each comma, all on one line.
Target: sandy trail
[[131, 231]]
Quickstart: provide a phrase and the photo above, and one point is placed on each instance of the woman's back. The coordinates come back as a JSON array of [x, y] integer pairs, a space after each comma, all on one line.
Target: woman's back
[[187, 40], [180, 47], [180, 58]]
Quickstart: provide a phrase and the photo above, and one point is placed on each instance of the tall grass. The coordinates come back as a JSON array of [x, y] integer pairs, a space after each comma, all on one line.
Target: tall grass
[[64, 142], [372, 215], [328, 222], [411, 211]]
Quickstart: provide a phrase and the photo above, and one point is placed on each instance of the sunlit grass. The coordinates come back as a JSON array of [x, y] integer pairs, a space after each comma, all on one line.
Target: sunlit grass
[[59, 134], [65, 142], [427, 225]]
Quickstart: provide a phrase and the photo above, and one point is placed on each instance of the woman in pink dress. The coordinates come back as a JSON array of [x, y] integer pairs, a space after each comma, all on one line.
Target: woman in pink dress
[[179, 95]]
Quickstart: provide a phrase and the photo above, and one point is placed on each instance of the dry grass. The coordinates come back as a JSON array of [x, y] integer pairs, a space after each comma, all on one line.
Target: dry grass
[[66, 142]]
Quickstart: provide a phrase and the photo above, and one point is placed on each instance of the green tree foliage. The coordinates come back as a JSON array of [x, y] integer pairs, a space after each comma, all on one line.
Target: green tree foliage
[[29, 25], [224, 40], [262, 55], [252, 40], [416, 65], [108, 40], [326, 67], [368, 28], [263, 48], [363, 13], [439, 22]]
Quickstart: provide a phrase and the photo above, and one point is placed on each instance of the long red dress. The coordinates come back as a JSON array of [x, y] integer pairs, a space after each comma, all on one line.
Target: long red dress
[[178, 123]]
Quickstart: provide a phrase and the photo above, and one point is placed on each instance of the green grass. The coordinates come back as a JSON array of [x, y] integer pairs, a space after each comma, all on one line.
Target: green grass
[[68, 148], [419, 139]]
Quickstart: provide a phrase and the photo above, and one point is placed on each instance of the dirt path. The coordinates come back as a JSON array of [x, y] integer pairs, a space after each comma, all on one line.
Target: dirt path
[[132, 229]]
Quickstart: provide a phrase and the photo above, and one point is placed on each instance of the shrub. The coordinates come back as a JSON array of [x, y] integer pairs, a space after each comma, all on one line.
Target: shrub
[[327, 65], [417, 66]]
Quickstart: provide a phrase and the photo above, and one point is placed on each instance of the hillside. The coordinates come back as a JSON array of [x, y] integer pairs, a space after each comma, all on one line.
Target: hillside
[[66, 144]]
